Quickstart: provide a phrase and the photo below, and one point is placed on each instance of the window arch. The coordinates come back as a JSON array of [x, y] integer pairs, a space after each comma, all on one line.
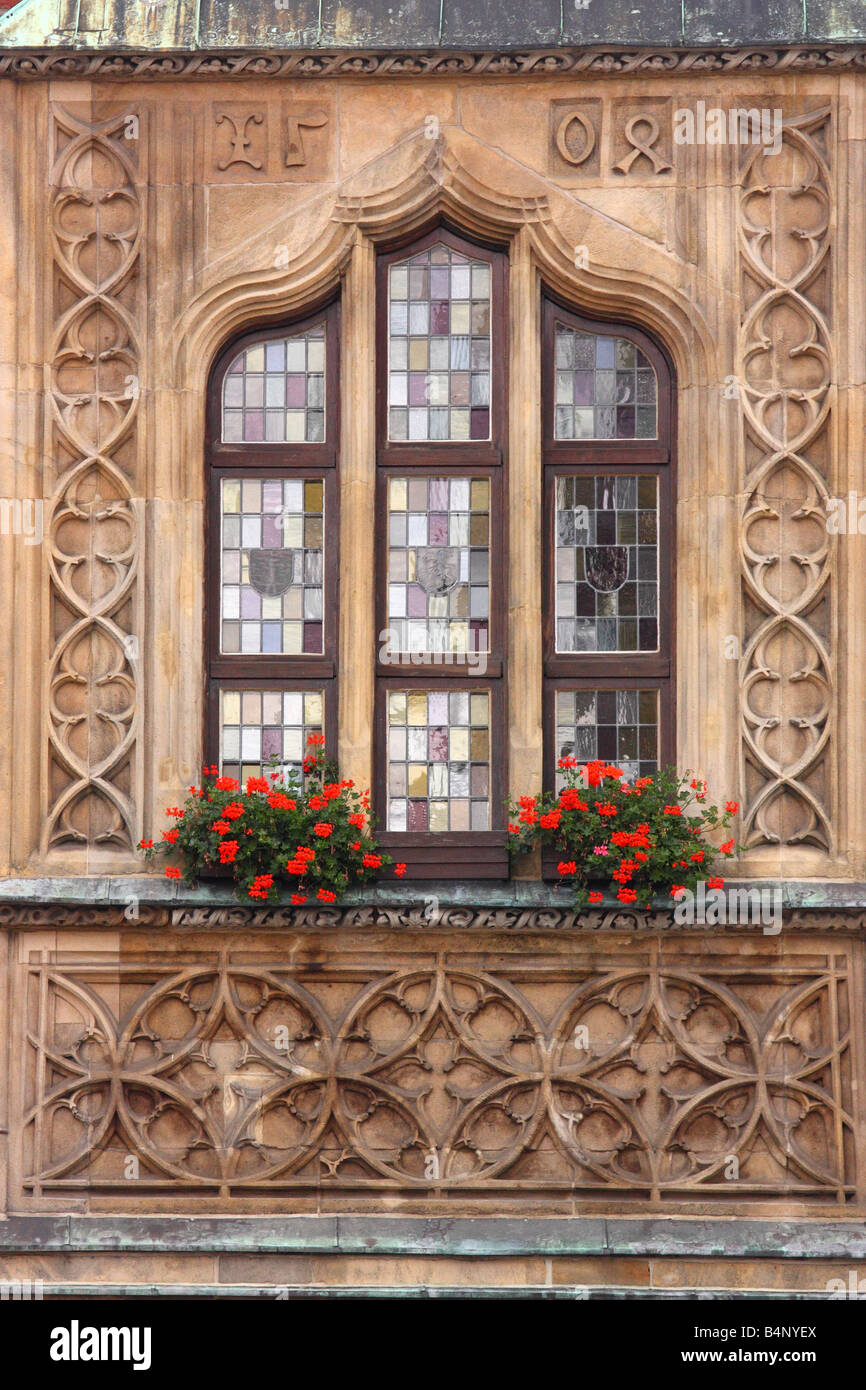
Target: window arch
[[271, 553], [608, 468], [441, 430]]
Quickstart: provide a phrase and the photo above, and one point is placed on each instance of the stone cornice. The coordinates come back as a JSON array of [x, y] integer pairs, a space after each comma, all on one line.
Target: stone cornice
[[600, 61]]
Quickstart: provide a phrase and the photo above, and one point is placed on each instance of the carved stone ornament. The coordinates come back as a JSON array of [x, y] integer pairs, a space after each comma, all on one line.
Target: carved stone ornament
[[433, 1073], [786, 678]]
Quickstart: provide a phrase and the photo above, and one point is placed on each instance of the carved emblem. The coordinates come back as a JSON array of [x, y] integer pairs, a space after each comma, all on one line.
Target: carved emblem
[[239, 139], [642, 144], [295, 152], [562, 142]]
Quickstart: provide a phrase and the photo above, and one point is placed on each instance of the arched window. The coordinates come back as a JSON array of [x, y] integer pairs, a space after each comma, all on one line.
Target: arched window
[[272, 546], [441, 749], [608, 542]]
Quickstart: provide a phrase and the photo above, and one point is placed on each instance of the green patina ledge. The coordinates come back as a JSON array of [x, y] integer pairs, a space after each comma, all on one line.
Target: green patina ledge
[[802, 895]]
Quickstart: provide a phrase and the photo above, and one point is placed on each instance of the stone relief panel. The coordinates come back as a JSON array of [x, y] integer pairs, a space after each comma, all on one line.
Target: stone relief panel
[[268, 143], [786, 676], [437, 1070], [92, 520]]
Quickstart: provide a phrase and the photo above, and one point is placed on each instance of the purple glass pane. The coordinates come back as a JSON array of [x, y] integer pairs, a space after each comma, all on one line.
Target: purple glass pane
[[439, 494], [417, 815], [254, 426], [438, 529], [272, 744], [417, 601], [417, 388], [438, 750], [296, 391], [313, 637], [251, 603], [479, 427]]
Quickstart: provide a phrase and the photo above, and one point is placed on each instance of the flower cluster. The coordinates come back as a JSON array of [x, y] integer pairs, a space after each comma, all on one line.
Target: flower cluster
[[632, 841], [314, 837]]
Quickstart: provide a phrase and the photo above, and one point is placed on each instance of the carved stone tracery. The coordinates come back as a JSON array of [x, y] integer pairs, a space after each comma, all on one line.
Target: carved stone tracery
[[437, 1074], [92, 523], [787, 684]]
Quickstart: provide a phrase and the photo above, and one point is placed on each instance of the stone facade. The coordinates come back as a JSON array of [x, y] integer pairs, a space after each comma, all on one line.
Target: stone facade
[[432, 1070]]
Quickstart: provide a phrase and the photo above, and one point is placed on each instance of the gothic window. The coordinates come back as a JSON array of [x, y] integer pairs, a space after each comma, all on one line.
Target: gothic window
[[272, 551], [441, 749], [608, 533]]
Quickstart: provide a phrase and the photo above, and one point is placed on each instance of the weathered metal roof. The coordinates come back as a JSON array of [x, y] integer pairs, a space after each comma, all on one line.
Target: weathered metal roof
[[422, 24]]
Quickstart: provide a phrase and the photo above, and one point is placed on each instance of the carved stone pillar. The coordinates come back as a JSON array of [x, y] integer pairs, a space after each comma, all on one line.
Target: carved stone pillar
[[786, 674], [92, 518]]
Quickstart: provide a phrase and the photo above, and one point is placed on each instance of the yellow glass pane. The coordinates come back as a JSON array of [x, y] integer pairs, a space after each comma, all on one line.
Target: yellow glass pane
[[231, 707], [478, 529], [292, 638], [460, 318], [417, 779], [418, 354], [438, 815], [396, 707], [459, 745], [293, 534], [417, 709], [313, 701], [313, 531], [413, 572], [479, 709], [231, 496], [480, 494], [397, 495], [313, 496], [255, 359], [480, 745]]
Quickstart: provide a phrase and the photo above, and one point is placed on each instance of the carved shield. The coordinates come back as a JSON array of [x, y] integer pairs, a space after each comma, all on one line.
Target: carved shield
[[606, 567], [438, 568], [271, 571]]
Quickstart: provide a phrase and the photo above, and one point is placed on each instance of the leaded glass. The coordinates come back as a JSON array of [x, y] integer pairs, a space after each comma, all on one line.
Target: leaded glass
[[274, 392], [606, 532], [438, 760], [605, 388], [257, 726], [272, 566], [439, 338], [438, 564], [620, 726]]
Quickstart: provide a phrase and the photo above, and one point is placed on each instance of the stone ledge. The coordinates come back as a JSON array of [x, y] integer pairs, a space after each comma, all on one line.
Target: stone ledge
[[479, 1237]]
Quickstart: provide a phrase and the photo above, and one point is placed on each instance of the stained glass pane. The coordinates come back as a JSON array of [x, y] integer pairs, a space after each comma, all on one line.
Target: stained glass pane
[[272, 566], [606, 564], [438, 760], [274, 392], [605, 388], [620, 726], [439, 347], [258, 725], [438, 565]]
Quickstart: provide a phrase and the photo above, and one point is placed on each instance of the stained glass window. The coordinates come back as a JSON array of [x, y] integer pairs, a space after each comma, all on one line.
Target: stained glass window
[[438, 760], [605, 388], [439, 347], [620, 726], [274, 392], [257, 725], [606, 533], [438, 564], [272, 559]]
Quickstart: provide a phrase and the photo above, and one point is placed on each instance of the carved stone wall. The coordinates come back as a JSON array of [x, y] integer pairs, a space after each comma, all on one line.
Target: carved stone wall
[[93, 522], [788, 682], [480, 1071]]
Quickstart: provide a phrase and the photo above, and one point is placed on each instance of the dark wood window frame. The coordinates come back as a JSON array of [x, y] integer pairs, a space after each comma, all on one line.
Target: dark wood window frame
[[590, 457], [302, 460], [447, 854]]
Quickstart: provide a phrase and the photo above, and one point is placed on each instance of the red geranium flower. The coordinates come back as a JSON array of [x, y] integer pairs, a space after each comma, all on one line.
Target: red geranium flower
[[322, 829], [596, 897], [566, 867], [172, 872], [732, 806], [627, 895], [326, 895], [257, 784], [399, 870]]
